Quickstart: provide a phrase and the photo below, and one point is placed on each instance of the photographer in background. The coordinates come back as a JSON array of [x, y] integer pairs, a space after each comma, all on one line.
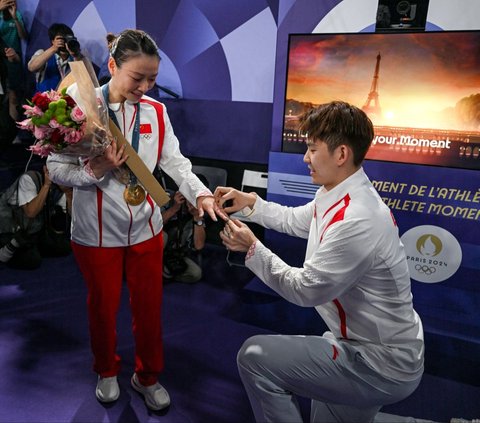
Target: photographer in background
[[184, 237], [51, 65], [34, 220]]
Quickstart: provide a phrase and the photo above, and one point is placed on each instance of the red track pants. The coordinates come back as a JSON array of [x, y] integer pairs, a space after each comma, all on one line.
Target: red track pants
[[103, 270]]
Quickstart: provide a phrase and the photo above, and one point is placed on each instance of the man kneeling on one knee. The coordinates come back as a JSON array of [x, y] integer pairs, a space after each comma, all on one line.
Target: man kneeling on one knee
[[355, 274]]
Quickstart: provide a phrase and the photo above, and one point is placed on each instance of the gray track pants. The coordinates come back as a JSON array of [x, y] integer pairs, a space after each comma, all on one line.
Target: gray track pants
[[275, 368]]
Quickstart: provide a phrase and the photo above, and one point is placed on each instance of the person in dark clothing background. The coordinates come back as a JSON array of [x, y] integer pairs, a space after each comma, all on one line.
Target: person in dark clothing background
[[34, 220]]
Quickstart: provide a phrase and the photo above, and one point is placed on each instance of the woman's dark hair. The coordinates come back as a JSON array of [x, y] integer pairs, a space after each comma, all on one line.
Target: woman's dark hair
[[131, 43], [338, 123]]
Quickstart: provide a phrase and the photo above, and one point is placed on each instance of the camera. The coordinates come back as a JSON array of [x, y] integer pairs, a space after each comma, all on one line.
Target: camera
[[72, 44]]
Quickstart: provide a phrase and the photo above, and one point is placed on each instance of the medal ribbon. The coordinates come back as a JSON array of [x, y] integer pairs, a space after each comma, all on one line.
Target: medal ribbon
[[136, 127]]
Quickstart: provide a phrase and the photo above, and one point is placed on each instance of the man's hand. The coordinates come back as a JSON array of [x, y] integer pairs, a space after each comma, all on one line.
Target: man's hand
[[46, 177], [178, 200], [239, 199], [237, 236], [58, 43]]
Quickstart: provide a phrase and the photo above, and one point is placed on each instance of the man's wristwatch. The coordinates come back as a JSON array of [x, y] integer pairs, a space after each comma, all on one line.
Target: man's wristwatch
[[200, 222]]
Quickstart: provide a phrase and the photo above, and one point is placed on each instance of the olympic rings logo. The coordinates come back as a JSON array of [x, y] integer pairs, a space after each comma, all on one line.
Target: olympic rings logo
[[425, 269]]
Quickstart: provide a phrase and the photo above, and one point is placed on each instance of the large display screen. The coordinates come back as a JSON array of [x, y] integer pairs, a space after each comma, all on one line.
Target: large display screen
[[420, 89]]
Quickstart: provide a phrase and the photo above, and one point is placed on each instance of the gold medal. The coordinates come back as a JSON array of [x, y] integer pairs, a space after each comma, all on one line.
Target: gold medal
[[134, 194]]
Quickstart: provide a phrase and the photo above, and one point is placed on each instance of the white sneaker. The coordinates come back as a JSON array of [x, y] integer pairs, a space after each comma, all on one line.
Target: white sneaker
[[107, 389], [156, 396]]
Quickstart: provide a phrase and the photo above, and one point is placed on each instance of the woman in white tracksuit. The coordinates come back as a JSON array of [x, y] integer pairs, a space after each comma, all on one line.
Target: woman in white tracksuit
[[115, 236], [355, 274]]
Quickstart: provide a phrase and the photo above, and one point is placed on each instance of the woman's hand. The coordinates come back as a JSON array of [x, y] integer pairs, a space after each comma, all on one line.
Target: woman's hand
[[239, 199], [112, 158], [237, 236], [207, 203]]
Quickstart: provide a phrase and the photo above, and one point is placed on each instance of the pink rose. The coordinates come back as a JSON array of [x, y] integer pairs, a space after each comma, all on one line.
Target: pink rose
[[77, 115]]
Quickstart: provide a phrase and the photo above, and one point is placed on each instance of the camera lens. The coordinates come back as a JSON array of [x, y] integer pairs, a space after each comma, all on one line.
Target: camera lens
[[73, 45]]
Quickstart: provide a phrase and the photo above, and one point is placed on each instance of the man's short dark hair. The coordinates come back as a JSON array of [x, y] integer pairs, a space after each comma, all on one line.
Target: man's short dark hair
[[338, 123], [59, 29]]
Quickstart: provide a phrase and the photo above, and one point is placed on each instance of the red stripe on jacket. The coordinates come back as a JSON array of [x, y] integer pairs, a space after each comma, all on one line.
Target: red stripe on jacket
[[99, 215], [343, 318], [161, 124], [339, 216], [161, 138], [152, 205]]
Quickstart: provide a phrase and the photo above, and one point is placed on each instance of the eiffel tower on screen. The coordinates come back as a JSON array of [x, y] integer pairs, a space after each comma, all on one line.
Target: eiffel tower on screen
[[372, 105]]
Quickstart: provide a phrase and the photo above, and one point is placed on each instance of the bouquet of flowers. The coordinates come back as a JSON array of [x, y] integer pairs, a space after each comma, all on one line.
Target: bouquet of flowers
[[60, 126], [79, 125]]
